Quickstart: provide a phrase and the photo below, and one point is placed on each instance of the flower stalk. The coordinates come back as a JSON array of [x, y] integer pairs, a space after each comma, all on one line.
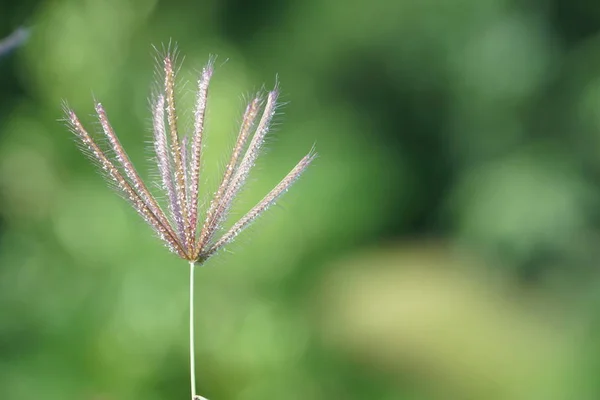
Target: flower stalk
[[179, 165]]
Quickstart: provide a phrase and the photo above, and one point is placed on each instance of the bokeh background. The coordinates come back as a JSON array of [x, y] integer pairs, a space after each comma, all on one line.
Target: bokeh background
[[444, 245]]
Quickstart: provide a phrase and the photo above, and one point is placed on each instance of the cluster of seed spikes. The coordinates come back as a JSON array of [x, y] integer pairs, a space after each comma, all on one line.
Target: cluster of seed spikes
[[179, 162]]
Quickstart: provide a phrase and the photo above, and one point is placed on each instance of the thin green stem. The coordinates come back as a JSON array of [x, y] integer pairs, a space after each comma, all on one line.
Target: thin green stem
[[192, 364]]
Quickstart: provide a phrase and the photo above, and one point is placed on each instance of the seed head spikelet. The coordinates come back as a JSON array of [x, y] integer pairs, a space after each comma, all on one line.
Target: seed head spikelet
[[233, 184], [179, 162], [176, 150], [211, 216], [196, 149], [165, 165], [127, 166], [262, 206], [124, 187]]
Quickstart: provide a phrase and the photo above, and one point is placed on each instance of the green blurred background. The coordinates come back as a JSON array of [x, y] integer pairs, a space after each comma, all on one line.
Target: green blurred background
[[444, 245]]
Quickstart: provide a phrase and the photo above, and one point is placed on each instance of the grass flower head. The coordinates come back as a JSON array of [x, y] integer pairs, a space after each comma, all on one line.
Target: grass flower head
[[179, 160]]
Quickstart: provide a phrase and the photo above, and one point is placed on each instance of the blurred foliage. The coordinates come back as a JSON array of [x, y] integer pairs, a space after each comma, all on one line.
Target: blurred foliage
[[443, 246]]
